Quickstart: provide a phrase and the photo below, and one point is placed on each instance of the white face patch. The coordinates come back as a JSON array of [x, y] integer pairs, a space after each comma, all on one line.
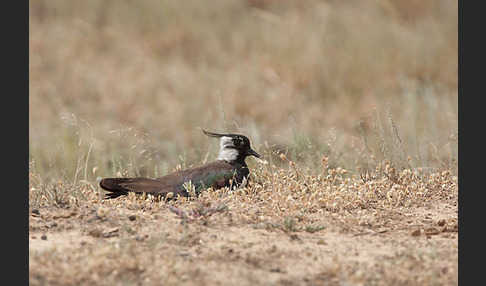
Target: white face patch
[[225, 151]]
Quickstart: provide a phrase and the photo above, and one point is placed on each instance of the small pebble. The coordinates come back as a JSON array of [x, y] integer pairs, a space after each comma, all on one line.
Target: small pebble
[[321, 242], [416, 232], [294, 237], [44, 237], [132, 217], [141, 237]]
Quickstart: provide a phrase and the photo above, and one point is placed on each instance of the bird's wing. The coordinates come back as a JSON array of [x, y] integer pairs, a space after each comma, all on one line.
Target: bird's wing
[[216, 175], [213, 178]]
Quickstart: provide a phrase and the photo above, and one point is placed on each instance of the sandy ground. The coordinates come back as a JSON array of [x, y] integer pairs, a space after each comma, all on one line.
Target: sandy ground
[[148, 243]]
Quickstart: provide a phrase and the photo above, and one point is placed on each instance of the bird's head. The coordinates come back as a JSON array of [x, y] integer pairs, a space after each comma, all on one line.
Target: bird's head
[[233, 147]]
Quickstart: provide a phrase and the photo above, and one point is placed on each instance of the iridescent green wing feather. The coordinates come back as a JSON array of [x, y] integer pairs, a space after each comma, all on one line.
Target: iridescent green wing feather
[[213, 178]]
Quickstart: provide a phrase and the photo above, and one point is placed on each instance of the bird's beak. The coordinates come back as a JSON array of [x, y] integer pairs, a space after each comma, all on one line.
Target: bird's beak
[[253, 153]]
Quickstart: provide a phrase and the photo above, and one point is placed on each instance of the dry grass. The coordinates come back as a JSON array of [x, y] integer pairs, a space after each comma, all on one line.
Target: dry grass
[[136, 81], [353, 105], [286, 227]]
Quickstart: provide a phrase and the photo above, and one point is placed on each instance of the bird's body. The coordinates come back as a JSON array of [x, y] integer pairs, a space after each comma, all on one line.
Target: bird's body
[[216, 175], [229, 170]]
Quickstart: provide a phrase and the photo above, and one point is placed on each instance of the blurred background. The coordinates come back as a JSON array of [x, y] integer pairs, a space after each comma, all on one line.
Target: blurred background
[[124, 87]]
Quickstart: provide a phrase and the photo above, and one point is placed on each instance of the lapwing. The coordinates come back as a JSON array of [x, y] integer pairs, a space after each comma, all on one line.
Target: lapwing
[[229, 170]]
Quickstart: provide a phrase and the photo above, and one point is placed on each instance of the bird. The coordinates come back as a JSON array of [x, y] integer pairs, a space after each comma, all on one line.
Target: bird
[[229, 170]]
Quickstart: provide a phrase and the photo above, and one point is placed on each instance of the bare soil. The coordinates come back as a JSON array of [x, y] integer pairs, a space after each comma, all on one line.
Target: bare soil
[[122, 243]]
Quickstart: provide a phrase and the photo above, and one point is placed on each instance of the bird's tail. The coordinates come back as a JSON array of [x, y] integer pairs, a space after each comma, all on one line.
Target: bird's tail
[[114, 186]]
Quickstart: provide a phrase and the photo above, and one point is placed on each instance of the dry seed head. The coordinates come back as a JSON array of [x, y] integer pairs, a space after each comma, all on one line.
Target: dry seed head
[[101, 212], [446, 173], [324, 160], [261, 161]]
